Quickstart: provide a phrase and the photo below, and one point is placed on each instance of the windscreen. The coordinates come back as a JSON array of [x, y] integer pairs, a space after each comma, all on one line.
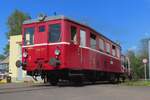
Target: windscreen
[[54, 33]]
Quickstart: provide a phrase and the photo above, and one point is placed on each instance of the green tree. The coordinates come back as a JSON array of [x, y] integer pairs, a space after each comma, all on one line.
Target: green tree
[[2, 57], [15, 21], [14, 24], [143, 51], [136, 58], [136, 65], [6, 50]]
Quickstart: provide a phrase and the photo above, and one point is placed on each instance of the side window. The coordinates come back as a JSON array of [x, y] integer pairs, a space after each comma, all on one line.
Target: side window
[[122, 60], [82, 38], [92, 41], [54, 33], [101, 44], [29, 36], [108, 48], [113, 50], [118, 52], [73, 34], [41, 28]]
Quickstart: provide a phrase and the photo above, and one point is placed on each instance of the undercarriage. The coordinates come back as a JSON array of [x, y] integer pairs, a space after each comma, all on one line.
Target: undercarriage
[[76, 76]]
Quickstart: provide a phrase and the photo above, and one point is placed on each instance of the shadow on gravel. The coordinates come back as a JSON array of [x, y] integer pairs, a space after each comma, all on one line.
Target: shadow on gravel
[[36, 87], [66, 84], [75, 85], [25, 89], [87, 84]]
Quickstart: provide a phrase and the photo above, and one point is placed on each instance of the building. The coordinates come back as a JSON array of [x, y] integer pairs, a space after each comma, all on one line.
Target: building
[[17, 74], [4, 69], [4, 64]]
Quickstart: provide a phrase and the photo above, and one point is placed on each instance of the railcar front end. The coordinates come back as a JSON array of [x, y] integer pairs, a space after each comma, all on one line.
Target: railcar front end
[[57, 48]]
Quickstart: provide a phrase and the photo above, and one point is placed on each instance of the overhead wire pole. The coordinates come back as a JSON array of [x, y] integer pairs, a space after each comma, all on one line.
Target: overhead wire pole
[[149, 57], [145, 61], [145, 71]]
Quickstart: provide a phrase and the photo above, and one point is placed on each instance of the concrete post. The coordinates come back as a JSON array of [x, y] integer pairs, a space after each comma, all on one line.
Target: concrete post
[[149, 57], [145, 71]]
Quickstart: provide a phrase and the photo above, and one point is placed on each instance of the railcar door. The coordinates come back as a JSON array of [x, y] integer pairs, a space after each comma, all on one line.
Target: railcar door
[[41, 42], [74, 50], [28, 40]]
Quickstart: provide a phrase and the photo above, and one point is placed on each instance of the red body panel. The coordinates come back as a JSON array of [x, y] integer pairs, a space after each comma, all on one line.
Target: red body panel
[[72, 56]]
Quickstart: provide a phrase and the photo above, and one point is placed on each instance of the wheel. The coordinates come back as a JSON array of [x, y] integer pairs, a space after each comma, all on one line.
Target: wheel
[[93, 81], [45, 79], [53, 83], [123, 79], [114, 78], [77, 81]]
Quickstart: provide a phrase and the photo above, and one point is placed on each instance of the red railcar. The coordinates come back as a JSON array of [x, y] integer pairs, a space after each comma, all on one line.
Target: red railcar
[[58, 48]]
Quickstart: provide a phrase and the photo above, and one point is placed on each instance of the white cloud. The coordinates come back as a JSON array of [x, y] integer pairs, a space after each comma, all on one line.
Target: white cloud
[[132, 48], [146, 34]]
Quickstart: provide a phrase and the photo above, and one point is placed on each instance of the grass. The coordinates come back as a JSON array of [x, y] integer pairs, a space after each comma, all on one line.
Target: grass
[[137, 83]]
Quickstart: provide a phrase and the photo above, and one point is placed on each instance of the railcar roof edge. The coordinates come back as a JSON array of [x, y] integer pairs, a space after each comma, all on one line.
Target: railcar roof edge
[[67, 18]]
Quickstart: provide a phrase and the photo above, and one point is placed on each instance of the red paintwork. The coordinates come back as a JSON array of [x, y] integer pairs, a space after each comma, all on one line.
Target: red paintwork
[[72, 56]]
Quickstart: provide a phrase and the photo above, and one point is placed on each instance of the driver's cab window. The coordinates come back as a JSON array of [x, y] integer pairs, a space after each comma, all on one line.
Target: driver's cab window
[[74, 34], [54, 33], [29, 36]]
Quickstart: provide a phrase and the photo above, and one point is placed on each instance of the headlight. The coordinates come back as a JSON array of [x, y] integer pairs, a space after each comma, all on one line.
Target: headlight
[[57, 52], [25, 54]]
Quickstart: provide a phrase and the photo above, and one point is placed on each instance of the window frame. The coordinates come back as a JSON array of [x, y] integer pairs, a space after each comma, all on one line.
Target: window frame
[[103, 42], [75, 36], [113, 50], [95, 44], [107, 44], [118, 52], [41, 26], [49, 32], [33, 35], [85, 40]]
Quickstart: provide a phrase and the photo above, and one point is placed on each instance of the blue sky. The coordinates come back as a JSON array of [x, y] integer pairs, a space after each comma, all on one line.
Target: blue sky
[[126, 21]]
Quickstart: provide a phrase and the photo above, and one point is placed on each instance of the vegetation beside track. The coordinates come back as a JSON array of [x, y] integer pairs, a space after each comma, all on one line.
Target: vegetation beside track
[[137, 83]]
